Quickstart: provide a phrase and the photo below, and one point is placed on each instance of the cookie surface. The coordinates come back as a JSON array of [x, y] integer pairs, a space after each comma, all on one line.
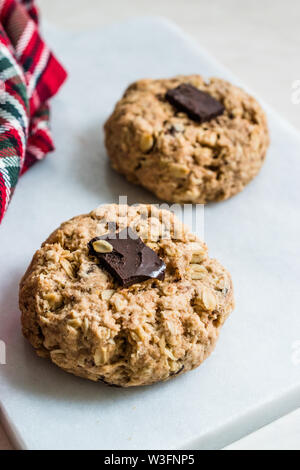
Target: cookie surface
[[162, 149], [75, 313]]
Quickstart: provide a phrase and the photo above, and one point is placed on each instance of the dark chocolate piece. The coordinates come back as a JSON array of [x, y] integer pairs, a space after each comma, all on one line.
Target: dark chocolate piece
[[130, 261], [198, 105]]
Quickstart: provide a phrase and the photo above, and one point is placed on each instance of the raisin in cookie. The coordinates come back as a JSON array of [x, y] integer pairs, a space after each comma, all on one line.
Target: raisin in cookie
[[183, 150], [97, 314]]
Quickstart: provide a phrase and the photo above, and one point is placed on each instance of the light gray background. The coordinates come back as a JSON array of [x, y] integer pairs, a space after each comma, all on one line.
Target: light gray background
[[258, 40]]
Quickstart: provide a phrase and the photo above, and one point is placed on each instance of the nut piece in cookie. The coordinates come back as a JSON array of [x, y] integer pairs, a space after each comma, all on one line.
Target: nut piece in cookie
[[187, 140], [77, 313]]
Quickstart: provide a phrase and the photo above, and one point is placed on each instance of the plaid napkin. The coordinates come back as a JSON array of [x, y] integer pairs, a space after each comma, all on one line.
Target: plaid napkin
[[29, 76]]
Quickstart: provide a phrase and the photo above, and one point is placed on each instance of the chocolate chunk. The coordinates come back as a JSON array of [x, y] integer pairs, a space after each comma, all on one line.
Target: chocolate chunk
[[198, 105], [130, 261]]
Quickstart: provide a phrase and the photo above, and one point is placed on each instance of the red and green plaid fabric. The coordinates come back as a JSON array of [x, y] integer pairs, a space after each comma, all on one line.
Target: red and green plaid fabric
[[29, 76]]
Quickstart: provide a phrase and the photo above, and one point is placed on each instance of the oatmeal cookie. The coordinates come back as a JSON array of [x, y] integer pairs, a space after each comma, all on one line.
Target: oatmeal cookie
[[157, 138], [124, 331]]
